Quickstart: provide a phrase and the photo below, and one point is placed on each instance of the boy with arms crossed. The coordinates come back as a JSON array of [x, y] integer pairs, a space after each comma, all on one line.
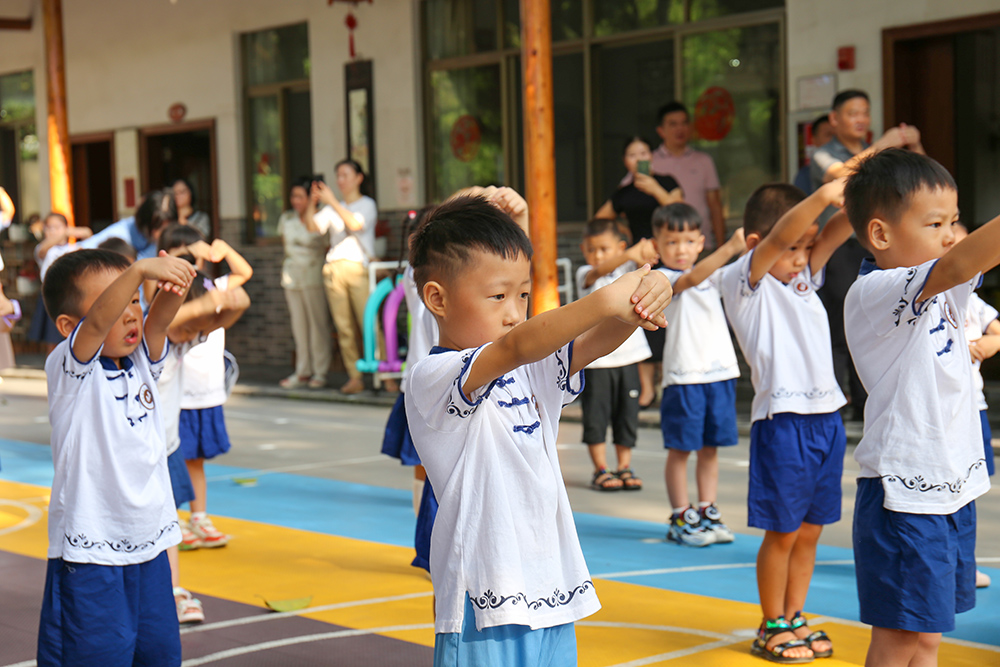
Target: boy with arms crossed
[[921, 456], [509, 575], [797, 438], [108, 596]]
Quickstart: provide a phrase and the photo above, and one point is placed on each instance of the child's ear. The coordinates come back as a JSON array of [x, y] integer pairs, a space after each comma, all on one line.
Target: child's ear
[[752, 239], [879, 234], [434, 297], [66, 323]]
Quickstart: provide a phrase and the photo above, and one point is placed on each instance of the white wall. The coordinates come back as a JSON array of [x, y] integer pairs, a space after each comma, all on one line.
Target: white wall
[[127, 62]]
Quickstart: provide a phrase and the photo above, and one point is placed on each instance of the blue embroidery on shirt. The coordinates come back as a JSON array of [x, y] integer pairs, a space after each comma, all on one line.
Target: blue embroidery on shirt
[[918, 483], [939, 327], [490, 600], [527, 429], [503, 382], [947, 348], [514, 403], [83, 542]]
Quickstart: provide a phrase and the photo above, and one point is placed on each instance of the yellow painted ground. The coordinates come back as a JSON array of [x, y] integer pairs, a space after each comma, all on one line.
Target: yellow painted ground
[[636, 625]]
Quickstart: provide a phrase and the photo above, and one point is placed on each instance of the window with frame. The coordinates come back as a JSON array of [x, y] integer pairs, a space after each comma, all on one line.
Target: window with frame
[[278, 121], [19, 145]]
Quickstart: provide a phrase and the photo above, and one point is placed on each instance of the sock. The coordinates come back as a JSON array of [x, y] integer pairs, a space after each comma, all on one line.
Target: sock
[[679, 510], [198, 516], [418, 491], [702, 506]]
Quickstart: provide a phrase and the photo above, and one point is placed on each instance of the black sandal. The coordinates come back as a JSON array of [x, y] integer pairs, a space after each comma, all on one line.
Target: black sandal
[[604, 480], [768, 629], [799, 621], [630, 481]]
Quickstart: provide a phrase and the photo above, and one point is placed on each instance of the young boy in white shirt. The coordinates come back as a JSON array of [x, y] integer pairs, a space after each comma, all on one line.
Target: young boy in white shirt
[[698, 409], [508, 572], [921, 456], [611, 384], [797, 438], [111, 516]]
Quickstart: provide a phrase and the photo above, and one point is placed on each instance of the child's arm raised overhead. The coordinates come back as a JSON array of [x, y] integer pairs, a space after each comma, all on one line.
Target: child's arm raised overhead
[[211, 311], [791, 226], [240, 271], [706, 267], [643, 252], [988, 345], [833, 235], [164, 306], [976, 253], [173, 274], [638, 297]]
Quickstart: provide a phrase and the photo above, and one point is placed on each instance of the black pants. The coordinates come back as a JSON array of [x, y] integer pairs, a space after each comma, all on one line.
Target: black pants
[[611, 395]]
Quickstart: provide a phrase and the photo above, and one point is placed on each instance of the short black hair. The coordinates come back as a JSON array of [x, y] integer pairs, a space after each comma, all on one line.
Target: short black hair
[[675, 217], [443, 244], [120, 246], [55, 214], [598, 226], [304, 182], [825, 118], [177, 235], [631, 140], [845, 96], [883, 184], [671, 107], [61, 290], [156, 210], [766, 206]]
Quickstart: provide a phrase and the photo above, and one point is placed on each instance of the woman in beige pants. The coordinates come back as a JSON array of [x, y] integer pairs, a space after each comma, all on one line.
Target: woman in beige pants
[[350, 223]]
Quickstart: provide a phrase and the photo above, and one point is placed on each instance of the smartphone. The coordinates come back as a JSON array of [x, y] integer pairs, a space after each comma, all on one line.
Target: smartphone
[[643, 167]]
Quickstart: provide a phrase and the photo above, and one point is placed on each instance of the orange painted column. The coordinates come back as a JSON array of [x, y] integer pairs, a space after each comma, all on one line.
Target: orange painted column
[[539, 150], [60, 166]]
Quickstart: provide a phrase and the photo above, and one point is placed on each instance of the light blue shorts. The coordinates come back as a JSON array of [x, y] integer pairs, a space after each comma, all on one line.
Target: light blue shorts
[[505, 645]]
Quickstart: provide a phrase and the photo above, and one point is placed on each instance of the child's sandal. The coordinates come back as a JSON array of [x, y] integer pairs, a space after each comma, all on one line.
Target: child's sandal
[[799, 621], [605, 480], [768, 629], [630, 481]]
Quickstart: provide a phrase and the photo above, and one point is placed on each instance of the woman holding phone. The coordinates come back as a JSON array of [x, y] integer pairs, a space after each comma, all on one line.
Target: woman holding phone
[[641, 194]]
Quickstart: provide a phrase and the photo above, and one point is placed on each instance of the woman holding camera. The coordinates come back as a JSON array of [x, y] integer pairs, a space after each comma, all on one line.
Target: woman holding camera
[[350, 223], [302, 280]]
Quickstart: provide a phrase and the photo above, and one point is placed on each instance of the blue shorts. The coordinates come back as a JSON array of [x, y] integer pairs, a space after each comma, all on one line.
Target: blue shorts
[[987, 442], [508, 645], [180, 479], [203, 433], [693, 416], [425, 525], [109, 616], [914, 571], [796, 462], [397, 442]]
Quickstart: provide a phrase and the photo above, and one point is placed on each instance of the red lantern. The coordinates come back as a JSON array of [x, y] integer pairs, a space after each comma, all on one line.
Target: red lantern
[[351, 22]]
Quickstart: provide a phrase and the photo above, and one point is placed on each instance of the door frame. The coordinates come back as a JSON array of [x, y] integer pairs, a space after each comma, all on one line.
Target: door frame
[[180, 128], [918, 31], [95, 138]]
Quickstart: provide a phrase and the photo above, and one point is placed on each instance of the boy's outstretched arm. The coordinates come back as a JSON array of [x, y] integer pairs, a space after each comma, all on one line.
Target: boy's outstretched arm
[[791, 226], [643, 252], [638, 295], [174, 275], [833, 235], [976, 253], [706, 267]]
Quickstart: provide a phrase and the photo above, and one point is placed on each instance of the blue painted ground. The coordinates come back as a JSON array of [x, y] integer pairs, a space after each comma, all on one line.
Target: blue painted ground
[[625, 549]]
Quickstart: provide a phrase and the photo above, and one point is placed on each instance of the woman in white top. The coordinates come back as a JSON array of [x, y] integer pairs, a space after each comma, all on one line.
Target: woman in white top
[[350, 223], [184, 198], [302, 280]]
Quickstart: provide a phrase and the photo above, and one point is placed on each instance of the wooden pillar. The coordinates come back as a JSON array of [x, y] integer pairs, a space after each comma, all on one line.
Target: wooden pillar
[[60, 168], [539, 150]]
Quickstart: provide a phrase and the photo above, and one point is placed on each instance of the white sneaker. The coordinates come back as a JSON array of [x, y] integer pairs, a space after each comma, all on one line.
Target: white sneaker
[[208, 535], [711, 520], [686, 528]]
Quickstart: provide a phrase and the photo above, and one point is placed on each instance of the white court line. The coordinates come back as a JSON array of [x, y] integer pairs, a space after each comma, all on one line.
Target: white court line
[[26, 663], [250, 472], [657, 628], [701, 568], [34, 516], [947, 640], [305, 639], [987, 560], [280, 421], [653, 659], [246, 620]]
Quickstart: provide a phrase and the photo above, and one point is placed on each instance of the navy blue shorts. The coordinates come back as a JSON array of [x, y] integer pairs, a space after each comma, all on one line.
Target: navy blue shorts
[[203, 433], [796, 462], [109, 616], [397, 441], [180, 479], [914, 571], [425, 525], [987, 442], [693, 416]]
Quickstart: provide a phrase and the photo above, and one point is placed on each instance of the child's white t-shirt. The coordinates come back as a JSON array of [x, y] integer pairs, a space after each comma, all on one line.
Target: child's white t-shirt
[[978, 318], [504, 532], [111, 498], [203, 382], [169, 385], [423, 327], [635, 348], [922, 433], [785, 336], [698, 348]]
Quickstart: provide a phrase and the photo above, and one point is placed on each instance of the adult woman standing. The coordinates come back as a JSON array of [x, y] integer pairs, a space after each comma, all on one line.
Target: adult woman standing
[[302, 280], [184, 198], [638, 195], [350, 223]]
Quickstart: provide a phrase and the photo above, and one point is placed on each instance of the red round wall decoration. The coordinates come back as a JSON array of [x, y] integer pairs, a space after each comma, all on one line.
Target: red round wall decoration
[[465, 138], [713, 114]]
